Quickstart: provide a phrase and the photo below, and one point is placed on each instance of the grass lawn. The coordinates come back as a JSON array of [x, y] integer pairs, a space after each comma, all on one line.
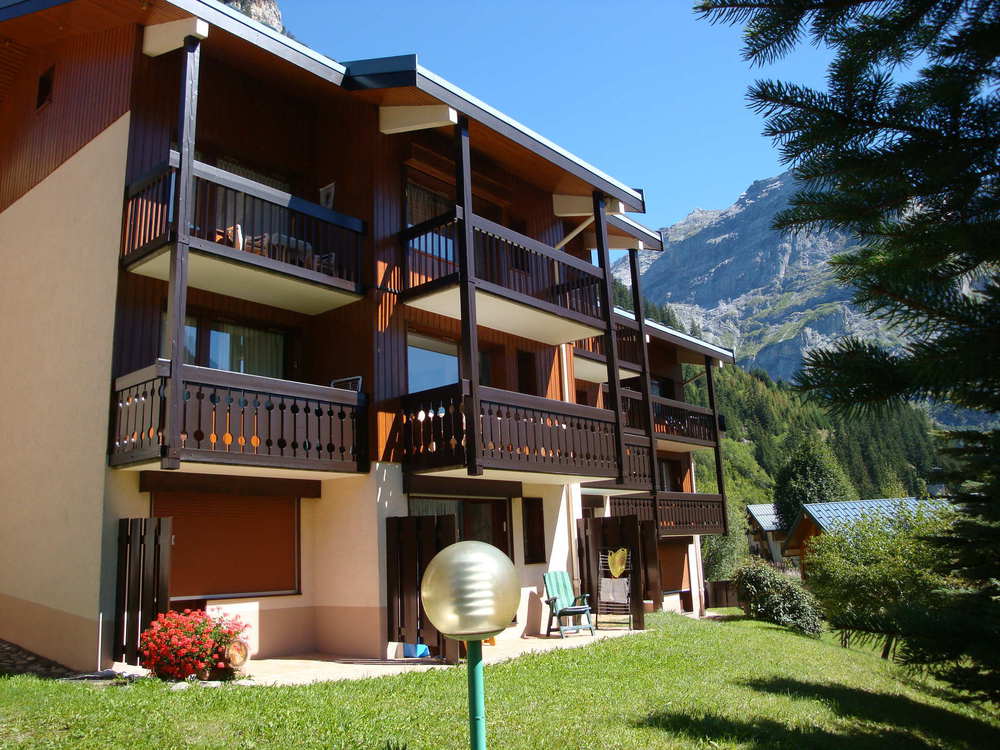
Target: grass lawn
[[685, 684]]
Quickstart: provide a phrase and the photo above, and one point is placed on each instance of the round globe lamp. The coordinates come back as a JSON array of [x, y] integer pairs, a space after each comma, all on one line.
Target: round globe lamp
[[470, 592]]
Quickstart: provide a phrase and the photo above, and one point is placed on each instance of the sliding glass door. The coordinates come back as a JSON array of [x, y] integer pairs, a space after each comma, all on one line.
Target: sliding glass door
[[479, 520]]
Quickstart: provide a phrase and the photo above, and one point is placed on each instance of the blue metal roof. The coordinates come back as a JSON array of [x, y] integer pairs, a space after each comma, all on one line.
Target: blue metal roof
[[765, 515], [829, 514]]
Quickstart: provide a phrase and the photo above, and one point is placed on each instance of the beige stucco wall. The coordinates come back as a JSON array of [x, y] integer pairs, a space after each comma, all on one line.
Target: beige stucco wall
[[341, 609], [60, 245], [561, 505]]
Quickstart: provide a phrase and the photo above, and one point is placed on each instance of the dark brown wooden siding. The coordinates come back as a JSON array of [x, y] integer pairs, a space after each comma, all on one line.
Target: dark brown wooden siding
[[92, 82]]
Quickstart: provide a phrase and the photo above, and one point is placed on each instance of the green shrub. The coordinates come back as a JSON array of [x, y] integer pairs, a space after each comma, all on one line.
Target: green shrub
[[875, 575], [765, 594]]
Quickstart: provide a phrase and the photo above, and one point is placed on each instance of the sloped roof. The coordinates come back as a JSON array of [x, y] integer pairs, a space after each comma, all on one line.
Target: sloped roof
[[765, 515], [827, 514]]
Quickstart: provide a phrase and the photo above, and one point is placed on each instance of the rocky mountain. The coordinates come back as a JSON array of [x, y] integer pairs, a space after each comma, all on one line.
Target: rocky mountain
[[266, 12], [769, 296]]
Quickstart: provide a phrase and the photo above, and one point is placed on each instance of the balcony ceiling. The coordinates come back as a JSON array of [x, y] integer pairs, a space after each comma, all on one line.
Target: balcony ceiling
[[245, 281], [597, 372], [205, 467], [508, 316], [525, 477], [677, 446]]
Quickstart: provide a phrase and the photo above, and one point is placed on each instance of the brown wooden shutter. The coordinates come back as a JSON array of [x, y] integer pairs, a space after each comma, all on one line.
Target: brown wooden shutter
[[226, 545], [533, 524]]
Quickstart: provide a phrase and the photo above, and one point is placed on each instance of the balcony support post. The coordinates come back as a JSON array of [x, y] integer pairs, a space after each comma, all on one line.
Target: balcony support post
[[719, 478], [610, 342], [177, 289], [647, 390], [465, 250]]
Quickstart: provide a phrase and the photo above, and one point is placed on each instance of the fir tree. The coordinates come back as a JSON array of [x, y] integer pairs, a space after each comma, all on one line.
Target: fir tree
[[901, 150], [812, 475]]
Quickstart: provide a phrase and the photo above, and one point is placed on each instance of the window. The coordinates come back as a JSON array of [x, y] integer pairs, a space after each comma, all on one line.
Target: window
[[485, 367], [671, 475], [527, 373], [533, 525], [423, 204], [228, 545], [45, 83], [476, 520], [230, 346], [663, 387], [430, 362]]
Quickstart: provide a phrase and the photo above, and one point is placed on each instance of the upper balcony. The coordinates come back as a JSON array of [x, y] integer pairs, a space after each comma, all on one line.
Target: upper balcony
[[247, 240], [523, 287], [231, 419]]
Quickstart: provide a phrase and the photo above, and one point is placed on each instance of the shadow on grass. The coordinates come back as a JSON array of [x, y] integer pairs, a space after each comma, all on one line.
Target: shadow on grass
[[768, 733], [888, 721], [894, 710]]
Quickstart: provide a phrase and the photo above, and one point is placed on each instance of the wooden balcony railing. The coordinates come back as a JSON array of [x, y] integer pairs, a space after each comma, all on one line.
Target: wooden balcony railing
[[234, 213], [518, 432], [676, 513], [678, 419], [506, 263], [671, 419], [233, 418]]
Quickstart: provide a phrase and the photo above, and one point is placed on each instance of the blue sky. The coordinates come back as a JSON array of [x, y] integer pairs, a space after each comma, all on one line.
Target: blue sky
[[642, 90]]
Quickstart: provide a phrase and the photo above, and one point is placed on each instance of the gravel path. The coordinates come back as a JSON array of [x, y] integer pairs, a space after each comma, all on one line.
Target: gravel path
[[16, 660]]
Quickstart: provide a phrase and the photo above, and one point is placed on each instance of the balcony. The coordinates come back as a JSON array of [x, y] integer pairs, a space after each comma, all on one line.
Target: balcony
[[590, 359], [247, 241], [238, 420], [676, 513], [678, 426], [552, 441], [523, 287]]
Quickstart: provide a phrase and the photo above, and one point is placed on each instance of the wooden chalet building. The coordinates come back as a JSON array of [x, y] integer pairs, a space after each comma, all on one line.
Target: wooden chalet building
[[278, 327]]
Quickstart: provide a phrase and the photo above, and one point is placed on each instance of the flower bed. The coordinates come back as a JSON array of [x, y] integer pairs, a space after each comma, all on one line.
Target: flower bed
[[178, 645]]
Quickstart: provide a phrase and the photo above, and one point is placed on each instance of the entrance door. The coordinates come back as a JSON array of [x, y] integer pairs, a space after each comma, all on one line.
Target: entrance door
[[478, 520]]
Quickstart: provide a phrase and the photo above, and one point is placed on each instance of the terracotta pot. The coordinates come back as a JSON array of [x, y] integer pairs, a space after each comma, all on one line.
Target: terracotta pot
[[237, 653]]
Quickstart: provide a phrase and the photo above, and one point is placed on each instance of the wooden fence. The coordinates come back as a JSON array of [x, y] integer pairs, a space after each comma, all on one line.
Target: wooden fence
[[143, 581]]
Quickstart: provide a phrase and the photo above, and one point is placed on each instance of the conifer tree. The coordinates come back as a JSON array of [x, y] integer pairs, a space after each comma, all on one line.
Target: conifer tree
[[902, 151], [812, 475]]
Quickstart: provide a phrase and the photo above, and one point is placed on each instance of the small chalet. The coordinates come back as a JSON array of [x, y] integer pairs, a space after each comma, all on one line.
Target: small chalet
[[816, 518], [764, 531]]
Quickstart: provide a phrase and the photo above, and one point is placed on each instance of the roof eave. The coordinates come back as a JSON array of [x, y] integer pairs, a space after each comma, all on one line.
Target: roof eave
[[681, 339], [239, 24], [404, 70]]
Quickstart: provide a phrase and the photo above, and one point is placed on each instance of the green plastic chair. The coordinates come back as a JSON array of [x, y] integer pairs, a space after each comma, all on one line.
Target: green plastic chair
[[564, 604]]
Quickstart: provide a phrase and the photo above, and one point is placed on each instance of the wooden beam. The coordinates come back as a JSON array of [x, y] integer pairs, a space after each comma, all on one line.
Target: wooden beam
[[647, 391], [719, 473], [172, 481], [406, 119], [465, 250], [587, 221], [160, 38], [177, 285], [610, 342], [566, 206], [460, 486]]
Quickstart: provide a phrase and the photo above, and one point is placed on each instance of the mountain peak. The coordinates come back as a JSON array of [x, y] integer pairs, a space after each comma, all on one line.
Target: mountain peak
[[769, 296]]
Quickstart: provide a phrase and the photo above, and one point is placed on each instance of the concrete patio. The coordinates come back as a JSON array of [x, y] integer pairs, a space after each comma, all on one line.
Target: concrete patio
[[307, 668]]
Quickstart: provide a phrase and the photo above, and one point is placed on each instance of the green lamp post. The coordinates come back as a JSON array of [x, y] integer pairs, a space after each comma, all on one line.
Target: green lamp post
[[470, 592]]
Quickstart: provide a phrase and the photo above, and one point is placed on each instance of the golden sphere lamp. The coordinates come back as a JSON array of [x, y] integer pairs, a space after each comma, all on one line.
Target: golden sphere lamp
[[470, 592]]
